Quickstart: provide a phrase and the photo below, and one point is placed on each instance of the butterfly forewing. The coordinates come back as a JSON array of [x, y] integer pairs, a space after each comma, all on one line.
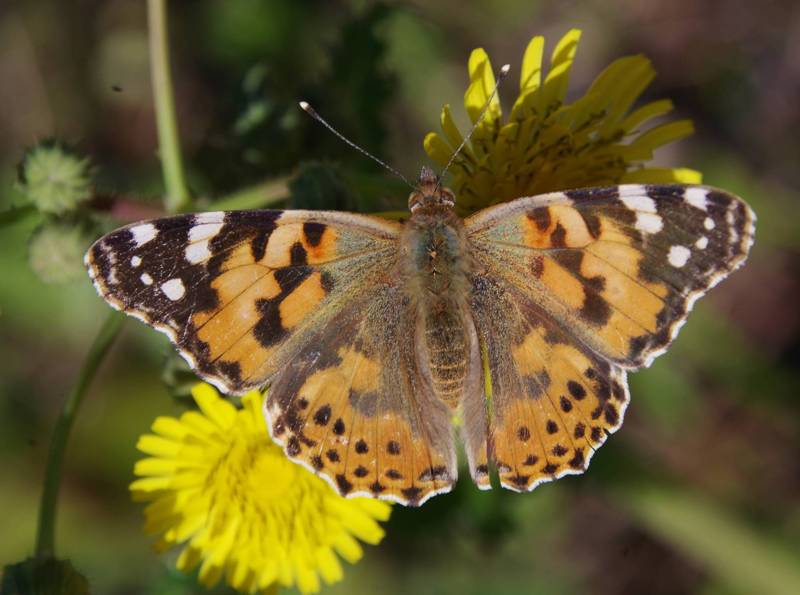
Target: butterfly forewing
[[239, 292], [619, 266]]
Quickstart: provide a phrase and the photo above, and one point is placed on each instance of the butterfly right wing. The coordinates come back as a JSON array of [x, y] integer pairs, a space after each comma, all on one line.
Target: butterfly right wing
[[239, 293], [571, 289]]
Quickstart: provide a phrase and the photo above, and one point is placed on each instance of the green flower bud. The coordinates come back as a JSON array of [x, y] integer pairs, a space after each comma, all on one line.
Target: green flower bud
[[54, 178], [55, 251]]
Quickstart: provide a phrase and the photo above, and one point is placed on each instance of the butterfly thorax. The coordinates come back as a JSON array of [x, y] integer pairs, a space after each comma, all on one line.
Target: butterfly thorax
[[436, 277]]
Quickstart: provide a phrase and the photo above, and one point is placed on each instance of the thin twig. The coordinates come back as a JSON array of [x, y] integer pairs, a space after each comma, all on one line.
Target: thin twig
[[177, 197], [45, 534]]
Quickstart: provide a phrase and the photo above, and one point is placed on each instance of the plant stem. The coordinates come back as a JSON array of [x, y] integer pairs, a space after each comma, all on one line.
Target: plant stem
[[45, 535], [177, 196], [254, 197]]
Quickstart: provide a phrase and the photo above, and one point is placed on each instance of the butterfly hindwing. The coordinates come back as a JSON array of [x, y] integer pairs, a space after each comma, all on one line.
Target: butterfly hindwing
[[551, 401], [619, 266], [240, 292], [353, 407]]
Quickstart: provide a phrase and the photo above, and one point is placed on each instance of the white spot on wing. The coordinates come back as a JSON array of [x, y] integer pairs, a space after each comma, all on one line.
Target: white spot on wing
[[146, 279], [678, 256], [173, 289], [635, 198], [204, 231], [632, 190], [198, 252], [649, 222], [211, 217], [709, 223], [702, 243], [697, 197], [143, 233], [135, 261]]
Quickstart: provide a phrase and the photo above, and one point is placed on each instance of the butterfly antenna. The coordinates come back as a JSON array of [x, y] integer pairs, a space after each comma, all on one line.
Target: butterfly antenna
[[503, 72], [313, 113]]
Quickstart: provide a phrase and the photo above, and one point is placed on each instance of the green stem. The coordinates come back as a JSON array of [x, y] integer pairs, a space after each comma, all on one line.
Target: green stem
[[45, 535], [177, 195], [254, 197]]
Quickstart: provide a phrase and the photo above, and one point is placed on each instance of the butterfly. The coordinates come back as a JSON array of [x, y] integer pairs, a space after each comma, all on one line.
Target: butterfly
[[378, 339]]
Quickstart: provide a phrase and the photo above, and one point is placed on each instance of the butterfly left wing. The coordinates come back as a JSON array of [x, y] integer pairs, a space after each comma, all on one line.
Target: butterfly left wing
[[239, 293], [572, 288], [353, 407]]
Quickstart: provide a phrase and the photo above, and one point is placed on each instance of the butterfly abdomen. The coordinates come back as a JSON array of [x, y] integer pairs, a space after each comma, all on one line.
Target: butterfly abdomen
[[445, 344]]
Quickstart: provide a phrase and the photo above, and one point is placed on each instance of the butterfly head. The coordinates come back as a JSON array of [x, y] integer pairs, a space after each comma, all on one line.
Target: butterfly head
[[430, 194]]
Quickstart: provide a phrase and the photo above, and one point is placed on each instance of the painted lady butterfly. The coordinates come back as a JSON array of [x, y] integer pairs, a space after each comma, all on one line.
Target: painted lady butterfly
[[372, 334]]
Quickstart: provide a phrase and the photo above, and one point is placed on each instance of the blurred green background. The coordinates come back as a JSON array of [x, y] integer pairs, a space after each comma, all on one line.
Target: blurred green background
[[700, 490]]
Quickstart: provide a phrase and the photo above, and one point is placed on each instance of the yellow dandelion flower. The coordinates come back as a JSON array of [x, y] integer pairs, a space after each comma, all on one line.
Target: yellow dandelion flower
[[550, 144], [217, 484]]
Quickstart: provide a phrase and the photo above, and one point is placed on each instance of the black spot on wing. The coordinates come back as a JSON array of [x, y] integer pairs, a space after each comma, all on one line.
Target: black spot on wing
[[558, 239], [323, 415], [312, 231], [232, 371], [289, 278], [576, 389], [345, 487], [269, 329], [595, 309], [541, 217], [412, 495], [298, 255], [339, 427]]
